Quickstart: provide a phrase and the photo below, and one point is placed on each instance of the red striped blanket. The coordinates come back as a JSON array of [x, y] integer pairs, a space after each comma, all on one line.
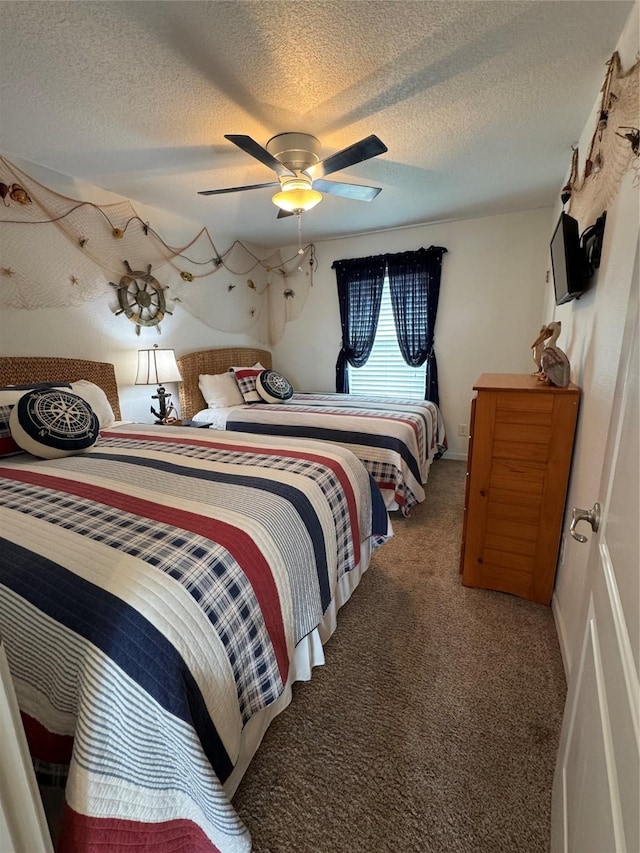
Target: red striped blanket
[[153, 591], [396, 439]]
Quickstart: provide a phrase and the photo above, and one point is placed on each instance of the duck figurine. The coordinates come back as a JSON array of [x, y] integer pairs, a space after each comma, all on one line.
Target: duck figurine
[[555, 365], [537, 346]]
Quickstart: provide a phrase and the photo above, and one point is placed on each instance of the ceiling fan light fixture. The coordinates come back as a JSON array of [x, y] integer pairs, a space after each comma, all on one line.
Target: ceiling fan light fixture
[[296, 196]]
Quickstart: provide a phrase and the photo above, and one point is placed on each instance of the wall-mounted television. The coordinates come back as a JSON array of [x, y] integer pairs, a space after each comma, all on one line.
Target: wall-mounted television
[[567, 261], [574, 258]]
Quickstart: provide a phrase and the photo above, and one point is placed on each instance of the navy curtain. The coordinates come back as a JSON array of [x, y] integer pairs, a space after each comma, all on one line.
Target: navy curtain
[[414, 282], [360, 283]]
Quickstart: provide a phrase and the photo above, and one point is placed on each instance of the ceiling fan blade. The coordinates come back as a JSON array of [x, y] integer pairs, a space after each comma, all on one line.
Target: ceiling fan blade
[[238, 189], [366, 148], [353, 191], [252, 147], [282, 213]]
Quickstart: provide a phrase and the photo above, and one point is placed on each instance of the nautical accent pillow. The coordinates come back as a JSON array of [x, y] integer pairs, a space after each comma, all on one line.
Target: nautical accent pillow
[[246, 379], [9, 396], [52, 423], [220, 390], [273, 387]]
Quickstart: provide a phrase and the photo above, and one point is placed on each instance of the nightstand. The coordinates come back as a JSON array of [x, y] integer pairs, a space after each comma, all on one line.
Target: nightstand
[[187, 422]]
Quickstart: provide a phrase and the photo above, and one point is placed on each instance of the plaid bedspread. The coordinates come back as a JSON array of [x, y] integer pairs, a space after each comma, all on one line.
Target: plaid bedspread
[[396, 439], [152, 592]]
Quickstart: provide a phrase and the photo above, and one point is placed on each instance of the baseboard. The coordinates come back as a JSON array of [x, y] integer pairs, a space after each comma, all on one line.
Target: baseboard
[[457, 457]]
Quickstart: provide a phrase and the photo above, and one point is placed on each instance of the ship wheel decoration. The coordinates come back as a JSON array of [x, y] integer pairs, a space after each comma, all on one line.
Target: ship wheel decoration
[[141, 298]]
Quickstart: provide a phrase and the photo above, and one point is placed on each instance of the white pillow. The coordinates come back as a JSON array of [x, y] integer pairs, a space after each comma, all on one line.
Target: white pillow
[[97, 399], [10, 394], [220, 390], [93, 394]]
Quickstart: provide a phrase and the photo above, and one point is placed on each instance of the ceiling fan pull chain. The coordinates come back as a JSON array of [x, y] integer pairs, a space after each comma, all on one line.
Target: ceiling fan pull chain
[[300, 249]]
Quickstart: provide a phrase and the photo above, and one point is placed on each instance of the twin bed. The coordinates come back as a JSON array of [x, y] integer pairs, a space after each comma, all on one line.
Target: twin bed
[[397, 440], [160, 593]]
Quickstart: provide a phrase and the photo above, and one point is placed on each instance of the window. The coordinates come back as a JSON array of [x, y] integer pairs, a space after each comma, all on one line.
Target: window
[[412, 291], [386, 373]]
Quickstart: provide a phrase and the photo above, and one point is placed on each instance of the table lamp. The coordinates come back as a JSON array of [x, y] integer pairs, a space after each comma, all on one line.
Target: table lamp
[[156, 367]]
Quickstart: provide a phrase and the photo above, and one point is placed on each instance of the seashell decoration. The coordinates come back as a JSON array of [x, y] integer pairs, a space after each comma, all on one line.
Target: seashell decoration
[[15, 193], [19, 194]]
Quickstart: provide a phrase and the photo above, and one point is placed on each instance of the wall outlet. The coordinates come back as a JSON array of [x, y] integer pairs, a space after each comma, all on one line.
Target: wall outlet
[[463, 430]]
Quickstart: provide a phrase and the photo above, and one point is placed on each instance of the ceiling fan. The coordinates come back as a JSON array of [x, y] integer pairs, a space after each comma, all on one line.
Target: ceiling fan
[[295, 158]]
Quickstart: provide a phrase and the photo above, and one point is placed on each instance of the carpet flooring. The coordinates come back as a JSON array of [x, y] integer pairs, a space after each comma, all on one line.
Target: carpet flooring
[[434, 725]]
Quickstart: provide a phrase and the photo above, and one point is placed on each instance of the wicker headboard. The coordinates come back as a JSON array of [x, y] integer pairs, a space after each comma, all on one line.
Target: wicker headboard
[[210, 362], [20, 370]]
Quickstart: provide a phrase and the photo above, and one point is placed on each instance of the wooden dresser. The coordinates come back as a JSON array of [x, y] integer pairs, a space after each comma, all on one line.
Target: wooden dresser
[[521, 440]]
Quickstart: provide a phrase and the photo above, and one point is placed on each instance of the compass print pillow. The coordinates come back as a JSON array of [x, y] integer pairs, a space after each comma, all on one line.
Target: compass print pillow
[[53, 423], [273, 387]]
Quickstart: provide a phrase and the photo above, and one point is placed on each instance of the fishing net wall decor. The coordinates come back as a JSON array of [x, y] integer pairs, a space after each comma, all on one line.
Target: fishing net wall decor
[[56, 251], [614, 145]]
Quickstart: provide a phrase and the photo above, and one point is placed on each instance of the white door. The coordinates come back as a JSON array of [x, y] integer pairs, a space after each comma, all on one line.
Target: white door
[[23, 826], [596, 793]]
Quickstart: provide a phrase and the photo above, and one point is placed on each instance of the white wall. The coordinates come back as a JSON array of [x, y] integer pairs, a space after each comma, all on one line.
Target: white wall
[[591, 336], [92, 330], [491, 304]]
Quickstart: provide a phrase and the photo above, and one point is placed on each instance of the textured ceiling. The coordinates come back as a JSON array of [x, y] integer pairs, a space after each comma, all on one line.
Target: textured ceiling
[[478, 102]]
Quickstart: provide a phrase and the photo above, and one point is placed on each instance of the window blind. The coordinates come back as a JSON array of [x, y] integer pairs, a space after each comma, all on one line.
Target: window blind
[[386, 373]]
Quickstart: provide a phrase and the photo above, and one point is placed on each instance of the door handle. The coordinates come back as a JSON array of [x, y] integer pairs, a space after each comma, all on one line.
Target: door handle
[[590, 515]]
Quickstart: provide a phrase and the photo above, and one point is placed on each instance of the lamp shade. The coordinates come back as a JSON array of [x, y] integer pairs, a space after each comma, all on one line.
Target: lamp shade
[[296, 196], [157, 366]]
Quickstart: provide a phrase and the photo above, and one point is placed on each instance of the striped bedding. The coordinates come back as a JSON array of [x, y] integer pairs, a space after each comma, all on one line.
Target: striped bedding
[[397, 439], [153, 594]]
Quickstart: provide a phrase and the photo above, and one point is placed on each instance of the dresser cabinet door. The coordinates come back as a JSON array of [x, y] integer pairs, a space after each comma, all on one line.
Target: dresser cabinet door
[[517, 486]]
